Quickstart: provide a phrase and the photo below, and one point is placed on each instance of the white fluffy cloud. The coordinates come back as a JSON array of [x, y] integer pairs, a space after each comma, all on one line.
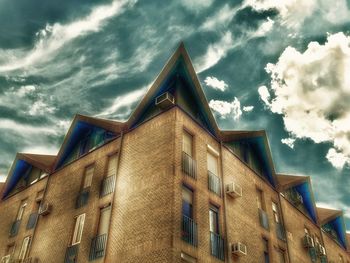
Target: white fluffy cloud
[[289, 142], [226, 109], [311, 90], [248, 108], [215, 83]]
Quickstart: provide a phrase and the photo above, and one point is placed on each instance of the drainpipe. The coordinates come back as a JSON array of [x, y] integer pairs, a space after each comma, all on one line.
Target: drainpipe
[[282, 215], [37, 220], [228, 249], [115, 187]]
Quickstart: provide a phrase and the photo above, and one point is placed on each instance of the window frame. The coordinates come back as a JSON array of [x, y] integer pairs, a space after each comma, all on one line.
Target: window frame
[[76, 237]]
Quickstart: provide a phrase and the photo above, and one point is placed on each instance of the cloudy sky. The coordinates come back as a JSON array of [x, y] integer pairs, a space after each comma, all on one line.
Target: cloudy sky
[[283, 66]]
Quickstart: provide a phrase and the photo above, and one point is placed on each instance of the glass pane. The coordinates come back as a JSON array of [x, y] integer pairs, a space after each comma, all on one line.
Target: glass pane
[[187, 143], [104, 220], [212, 163], [21, 210], [112, 165], [89, 172], [187, 202], [24, 248], [214, 220]]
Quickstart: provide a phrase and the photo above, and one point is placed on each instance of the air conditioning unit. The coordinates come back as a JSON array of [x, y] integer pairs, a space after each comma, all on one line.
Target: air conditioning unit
[[45, 209], [233, 190], [308, 242], [6, 259], [165, 100], [239, 249]]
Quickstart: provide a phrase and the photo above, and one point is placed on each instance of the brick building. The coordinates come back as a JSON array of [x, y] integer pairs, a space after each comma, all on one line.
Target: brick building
[[165, 186]]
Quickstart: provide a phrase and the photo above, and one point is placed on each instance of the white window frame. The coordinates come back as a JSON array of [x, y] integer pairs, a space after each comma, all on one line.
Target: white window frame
[[24, 248], [78, 229]]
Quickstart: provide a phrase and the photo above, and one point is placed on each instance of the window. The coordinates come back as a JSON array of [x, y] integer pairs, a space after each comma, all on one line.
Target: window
[[103, 225], [341, 259], [266, 250], [212, 162], [21, 210], [78, 229], [33, 176], [187, 202], [275, 212], [112, 165], [214, 219], [24, 248], [260, 199], [187, 143], [89, 172]]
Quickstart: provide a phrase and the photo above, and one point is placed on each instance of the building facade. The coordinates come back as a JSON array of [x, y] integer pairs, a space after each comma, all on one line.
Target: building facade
[[165, 186]]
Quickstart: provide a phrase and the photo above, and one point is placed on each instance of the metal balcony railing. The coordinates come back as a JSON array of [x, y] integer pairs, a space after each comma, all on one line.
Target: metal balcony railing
[[217, 248], [323, 259], [98, 247], [214, 183], [189, 230], [280, 231], [264, 220], [107, 186], [82, 198], [71, 254], [32, 220], [26, 260], [14, 228], [313, 254], [189, 166]]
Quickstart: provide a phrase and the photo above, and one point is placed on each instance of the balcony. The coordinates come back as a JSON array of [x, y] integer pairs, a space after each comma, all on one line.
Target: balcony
[[107, 186], [32, 220], [189, 166], [214, 183], [189, 231], [323, 259], [264, 220], [14, 228], [82, 198], [71, 254], [280, 231], [217, 246], [98, 247]]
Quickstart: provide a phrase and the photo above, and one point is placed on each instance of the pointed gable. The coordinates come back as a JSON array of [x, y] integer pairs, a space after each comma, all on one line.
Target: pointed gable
[[253, 148], [85, 134], [298, 190], [332, 222], [178, 78], [25, 170]]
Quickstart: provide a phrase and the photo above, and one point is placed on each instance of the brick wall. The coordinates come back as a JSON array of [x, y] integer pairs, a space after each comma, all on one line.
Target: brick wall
[[142, 213], [334, 250], [295, 223]]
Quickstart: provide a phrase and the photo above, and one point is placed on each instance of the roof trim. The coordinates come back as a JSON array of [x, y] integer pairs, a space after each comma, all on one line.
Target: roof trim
[[286, 181], [326, 215], [109, 125], [180, 52]]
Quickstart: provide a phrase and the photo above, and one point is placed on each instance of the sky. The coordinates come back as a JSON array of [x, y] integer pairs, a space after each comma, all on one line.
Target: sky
[[281, 66]]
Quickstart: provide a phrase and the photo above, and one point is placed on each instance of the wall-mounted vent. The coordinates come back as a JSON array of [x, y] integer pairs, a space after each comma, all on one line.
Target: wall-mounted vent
[[165, 100]]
